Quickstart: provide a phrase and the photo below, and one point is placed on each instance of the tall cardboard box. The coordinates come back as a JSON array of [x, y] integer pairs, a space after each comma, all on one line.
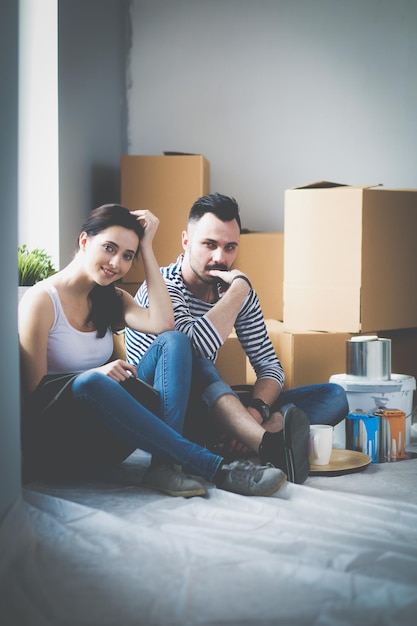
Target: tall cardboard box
[[260, 255], [167, 185], [350, 257]]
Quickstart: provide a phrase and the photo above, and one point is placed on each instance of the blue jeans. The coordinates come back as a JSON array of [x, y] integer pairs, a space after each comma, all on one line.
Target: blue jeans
[[106, 422], [166, 365], [323, 404]]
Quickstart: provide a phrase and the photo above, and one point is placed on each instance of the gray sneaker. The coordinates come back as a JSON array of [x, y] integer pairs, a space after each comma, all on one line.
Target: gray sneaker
[[171, 480], [248, 479]]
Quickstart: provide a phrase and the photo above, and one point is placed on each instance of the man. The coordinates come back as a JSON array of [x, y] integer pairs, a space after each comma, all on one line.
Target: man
[[209, 299]]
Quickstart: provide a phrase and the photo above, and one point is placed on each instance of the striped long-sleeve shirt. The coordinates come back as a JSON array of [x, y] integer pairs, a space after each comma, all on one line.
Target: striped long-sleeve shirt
[[190, 318]]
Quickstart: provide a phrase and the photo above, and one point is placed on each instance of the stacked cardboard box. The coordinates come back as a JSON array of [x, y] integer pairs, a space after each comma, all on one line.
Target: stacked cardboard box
[[350, 258]]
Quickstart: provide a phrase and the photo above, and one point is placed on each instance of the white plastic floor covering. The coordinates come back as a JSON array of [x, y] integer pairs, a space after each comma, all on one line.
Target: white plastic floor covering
[[336, 551]]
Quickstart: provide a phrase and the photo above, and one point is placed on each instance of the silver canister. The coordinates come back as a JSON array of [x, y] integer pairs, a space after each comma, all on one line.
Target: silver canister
[[363, 434], [392, 435], [368, 357]]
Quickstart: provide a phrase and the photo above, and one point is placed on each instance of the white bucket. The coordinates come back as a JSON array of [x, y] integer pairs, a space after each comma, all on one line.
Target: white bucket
[[368, 396]]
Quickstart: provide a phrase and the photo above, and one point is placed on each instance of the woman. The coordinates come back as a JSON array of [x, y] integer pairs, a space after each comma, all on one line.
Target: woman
[[76, 424]]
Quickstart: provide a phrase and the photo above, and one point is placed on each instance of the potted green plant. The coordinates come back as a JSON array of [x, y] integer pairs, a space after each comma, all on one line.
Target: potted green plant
[[33, 265]]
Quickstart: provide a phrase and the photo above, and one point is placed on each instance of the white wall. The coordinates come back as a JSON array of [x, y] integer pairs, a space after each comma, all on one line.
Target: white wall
[[38, 126], [277, 93]]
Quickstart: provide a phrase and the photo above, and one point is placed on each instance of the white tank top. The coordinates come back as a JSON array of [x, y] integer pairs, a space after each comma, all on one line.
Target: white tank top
[[69, 349]]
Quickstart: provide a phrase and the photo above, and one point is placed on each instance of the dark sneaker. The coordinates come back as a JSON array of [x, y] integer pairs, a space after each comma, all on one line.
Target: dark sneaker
[[171, 480], [248, 479], [296, 439], [288, 449]]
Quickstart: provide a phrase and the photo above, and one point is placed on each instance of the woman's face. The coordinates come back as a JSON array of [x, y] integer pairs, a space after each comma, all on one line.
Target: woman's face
[[109, 254]]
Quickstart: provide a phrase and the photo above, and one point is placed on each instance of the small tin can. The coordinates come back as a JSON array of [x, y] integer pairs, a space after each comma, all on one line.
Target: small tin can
[[368, 358]]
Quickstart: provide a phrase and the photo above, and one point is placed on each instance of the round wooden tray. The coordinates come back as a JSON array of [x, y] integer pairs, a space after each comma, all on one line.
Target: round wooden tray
[[342, 462]]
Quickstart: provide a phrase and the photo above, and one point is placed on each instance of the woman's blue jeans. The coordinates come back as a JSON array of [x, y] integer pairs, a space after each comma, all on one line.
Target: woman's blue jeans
[[167, 366]]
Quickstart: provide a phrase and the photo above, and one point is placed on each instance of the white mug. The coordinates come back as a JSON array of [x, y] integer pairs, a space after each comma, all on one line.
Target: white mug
[[321, 444]]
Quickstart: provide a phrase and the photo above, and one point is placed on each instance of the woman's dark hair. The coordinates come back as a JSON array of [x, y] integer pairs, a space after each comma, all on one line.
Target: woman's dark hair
[[223, 207], [106, 304]]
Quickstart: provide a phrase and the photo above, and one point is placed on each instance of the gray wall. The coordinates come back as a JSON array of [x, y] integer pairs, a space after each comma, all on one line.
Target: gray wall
[[277, 93], [93, 37], [9, 379]]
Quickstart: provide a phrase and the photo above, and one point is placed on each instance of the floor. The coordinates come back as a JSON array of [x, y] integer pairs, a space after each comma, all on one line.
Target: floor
[[336, 551]]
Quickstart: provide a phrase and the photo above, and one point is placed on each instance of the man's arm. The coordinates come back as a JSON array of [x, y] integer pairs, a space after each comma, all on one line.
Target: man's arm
[[253, 336], [191, 318], [267, 390], [224, 313]]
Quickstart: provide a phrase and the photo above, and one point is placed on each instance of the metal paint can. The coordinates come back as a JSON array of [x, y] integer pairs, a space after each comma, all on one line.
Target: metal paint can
[[368, 357], [392, 435], [363, 434]]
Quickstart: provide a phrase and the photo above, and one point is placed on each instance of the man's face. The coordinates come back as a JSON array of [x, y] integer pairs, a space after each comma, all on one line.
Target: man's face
[[209, 244]]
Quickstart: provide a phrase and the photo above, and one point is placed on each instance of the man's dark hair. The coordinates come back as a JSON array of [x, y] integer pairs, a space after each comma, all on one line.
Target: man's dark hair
[[223, 207]]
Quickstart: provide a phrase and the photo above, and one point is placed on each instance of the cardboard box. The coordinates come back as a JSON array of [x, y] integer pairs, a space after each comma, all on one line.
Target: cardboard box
[[349, 258], [232, 362], [261, 257], [307, 357], [403, 350], [167, 185]]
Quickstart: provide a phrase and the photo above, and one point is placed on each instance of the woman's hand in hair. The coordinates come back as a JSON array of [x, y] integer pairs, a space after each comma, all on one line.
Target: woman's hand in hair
[[150, 225]]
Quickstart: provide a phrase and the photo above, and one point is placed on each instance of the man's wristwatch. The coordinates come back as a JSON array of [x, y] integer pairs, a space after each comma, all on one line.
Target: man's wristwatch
[[262, 407]]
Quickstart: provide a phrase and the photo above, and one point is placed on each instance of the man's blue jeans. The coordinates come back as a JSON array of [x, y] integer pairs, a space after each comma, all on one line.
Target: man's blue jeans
[[323, 404]]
